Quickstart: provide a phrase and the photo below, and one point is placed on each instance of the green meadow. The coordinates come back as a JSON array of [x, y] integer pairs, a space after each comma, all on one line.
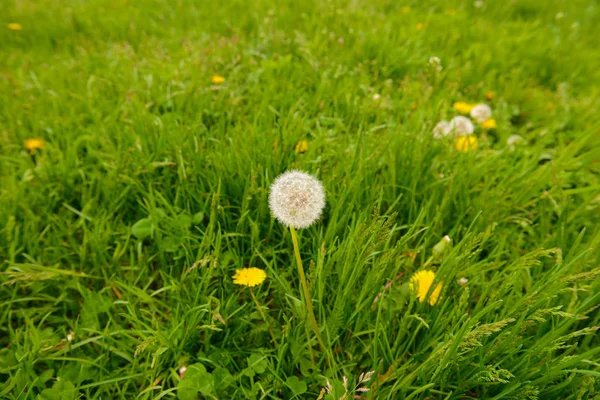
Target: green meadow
[[138, 144]]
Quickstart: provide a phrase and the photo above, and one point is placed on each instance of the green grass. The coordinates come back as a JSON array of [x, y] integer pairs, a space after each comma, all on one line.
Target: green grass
[[152, 187]]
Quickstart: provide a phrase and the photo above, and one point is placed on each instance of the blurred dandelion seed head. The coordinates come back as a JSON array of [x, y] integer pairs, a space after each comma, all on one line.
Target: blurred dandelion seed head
[[297, 199], [441, 129], [481, 113], [461, 126]]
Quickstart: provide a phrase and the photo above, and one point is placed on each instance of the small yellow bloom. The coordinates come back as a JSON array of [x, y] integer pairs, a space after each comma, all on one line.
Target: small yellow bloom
[[463, 107], [302, 146], [489, 124], [34, 144], [466, 143], [451, 11], [420, 26], [421, 282], [217, 79], [405, 9], [489, 95], [249, 276], [13, 26]]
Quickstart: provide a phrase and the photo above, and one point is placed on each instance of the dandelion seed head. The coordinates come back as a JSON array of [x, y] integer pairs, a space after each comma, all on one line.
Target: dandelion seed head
[[461, 126], [481, 113], [514, 139], [441, 129], [434, 61], [297, 199]]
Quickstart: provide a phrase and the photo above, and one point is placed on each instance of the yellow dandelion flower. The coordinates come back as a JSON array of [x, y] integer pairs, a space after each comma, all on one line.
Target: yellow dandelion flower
[[249, 276], [302, 146], [466, 143], [13, 26], [489, 95], [451, 11], [421, 282], [463, 107], [489, 124], [420, 26], [405, 9], [34, 144], [217, 79]]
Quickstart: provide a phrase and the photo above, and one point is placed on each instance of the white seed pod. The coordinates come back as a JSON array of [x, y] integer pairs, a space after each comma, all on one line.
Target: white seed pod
[[481, 113], [514, 139], [297, 199], [441, 129], [461, 126]]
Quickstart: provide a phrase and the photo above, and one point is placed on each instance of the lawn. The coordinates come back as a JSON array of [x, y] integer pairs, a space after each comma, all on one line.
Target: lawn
[[138, 144]]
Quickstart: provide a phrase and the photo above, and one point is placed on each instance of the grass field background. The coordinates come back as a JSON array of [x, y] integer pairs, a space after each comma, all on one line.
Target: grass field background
[[119, 238]]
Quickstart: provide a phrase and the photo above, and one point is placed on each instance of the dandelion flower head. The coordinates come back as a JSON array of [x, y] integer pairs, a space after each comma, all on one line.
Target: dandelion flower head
[[297, 199], [301, 146], [481, 113], [13, 26], [466, 143], [461, 126], [249, 276], [33, 144], [217, 79], [489, 124], [420, 283], [462, 107]]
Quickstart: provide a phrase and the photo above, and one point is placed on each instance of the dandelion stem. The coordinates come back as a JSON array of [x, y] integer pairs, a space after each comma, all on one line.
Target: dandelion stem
[[264, 317], [307, 299]]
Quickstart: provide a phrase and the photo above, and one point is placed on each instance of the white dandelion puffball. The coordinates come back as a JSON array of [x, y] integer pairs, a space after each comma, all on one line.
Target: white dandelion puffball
[[297, 199], [441, 129], [461, 126], [513, 140], [481, 113]]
